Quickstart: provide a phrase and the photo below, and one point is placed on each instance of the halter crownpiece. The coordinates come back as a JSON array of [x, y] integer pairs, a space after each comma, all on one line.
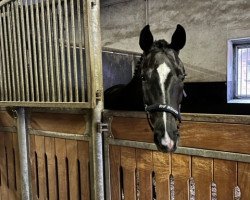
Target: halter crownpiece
[[163, 108]]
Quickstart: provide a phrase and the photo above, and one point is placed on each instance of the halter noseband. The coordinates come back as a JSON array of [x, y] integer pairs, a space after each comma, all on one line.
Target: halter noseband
[[161, 108]]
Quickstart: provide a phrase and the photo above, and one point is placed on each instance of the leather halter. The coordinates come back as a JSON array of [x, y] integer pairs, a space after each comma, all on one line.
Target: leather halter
[[161, 108]]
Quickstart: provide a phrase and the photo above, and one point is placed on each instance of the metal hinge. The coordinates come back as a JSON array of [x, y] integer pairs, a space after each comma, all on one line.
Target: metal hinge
[[102, 127]]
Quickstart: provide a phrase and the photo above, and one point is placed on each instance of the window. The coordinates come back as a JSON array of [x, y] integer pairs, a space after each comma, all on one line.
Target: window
[[238, 73]]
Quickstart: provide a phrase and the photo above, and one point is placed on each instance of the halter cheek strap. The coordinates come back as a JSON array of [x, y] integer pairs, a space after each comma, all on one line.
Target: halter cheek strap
[[163, 108]]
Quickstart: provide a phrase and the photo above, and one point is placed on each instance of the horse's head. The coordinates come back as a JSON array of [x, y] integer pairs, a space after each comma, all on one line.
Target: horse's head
[[162, 75]]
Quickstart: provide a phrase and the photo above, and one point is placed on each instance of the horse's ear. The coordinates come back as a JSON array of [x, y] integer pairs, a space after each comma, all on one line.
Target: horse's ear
[[178, 38], [146, 38]]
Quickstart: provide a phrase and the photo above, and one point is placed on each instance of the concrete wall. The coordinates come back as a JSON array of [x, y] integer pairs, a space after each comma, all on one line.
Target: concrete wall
[[209, 24]]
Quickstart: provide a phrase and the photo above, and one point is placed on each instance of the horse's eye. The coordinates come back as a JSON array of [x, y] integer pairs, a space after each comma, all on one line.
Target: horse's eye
[[143, 78]]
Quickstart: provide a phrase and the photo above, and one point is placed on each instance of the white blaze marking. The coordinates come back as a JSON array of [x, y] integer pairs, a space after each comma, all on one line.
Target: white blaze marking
[[163, 71]]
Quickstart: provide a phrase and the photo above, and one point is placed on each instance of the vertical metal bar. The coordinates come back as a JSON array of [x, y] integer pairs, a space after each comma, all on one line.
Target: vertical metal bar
[[30, 63], [16, 65], [11, 53], [241, 85], [73, 28], [82, 83], [25, 65], [146, 12], [246, 72], [45, 62], [66, 15], [23, 154], [1, 66], [40, 61], [5, 96], [62, 52], [50, 53], [20, 56], [93, 49], [7, 55], [58, 71], [33, 36]]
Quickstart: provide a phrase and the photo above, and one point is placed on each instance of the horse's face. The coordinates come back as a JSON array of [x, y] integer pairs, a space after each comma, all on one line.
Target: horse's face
[[162, 79]]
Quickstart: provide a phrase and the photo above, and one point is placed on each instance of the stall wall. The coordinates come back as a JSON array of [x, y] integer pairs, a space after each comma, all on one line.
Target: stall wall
[[209, 24]]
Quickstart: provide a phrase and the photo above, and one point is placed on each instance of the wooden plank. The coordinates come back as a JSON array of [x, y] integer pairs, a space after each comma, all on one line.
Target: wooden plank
[[225, 178], [244, 180], [128, 163], [58, 122], [115, 164], [51, 167], [3, 168], [40, 150], [145, 167], [6, 120], [202, 172], [71, 148], [10, 165], [17, 167], [218, 136], [60, 145], [181, 173], [162, 172], [33, 166], [135, 129], [83, 159]]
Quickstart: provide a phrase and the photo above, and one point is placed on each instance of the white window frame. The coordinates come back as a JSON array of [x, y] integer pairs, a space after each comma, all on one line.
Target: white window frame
[[233, 45]]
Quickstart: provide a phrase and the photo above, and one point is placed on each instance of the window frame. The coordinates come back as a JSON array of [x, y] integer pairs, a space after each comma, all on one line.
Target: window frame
[[233, 45]]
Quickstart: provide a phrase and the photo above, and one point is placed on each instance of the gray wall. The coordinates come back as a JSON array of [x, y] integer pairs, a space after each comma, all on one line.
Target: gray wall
[[209, 24]]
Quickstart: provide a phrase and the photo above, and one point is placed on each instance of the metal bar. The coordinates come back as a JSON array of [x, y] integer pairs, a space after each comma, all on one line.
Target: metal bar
[[73, 28], [16, 70], [25, 63], [93, 49], [33, 36], [5, 92], [45, 62], [58, 71], [1, 67], [20, 56], [40, 60], [82, 83], [51, 65], [69, 89], [247, 73], [186, 150], [62, 52], [12, 67], [9, 89], [29, 62], [23, 154], [59, 135]]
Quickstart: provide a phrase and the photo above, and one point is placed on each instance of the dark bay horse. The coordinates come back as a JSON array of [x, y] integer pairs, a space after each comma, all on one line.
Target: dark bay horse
[[157, 87]]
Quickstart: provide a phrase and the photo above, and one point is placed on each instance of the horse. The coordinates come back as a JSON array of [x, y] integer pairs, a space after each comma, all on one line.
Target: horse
[[156, 87]]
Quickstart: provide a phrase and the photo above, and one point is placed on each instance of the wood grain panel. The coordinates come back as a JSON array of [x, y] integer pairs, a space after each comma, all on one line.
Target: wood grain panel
[[225, 178], [115, 164], [244, 180], [217, 136], [58, 122], [128, 163], [60, 147], [202, 173], [162, 172], [40, 151], [71, 148], [3, 168], [17, 166], [10, 165], [145, 167], [181, 173], [33, 166], [135, 129], [6, 119], [83, 157], [51, 167]]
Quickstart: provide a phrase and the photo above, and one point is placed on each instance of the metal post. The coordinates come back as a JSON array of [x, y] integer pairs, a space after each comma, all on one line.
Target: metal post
[[23, 154], [94, 62]]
